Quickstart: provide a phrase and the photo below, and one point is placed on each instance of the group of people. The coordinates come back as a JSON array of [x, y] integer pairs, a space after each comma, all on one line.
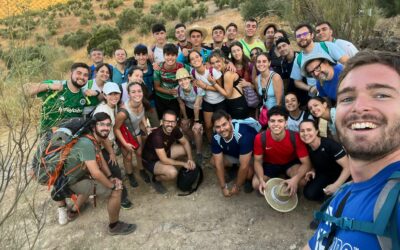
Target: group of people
[[173, 97]]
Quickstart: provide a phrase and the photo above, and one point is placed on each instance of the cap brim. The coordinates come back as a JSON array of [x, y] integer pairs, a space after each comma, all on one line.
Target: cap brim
[[280, 206]]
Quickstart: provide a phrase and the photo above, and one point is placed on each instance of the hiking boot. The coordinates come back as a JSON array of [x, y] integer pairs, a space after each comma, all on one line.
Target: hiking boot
[[62, 215], [145, 177], [121, 228], [72, 215], [199, 159], [247, 187], [314, 224], [126, 204], [158, 186], [132, 180]]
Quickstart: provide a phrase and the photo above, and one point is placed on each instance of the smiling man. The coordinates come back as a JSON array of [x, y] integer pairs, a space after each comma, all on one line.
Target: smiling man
[[279, 151], [368, 125]]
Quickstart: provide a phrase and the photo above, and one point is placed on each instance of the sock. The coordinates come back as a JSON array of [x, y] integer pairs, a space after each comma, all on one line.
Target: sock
[[112, 225]]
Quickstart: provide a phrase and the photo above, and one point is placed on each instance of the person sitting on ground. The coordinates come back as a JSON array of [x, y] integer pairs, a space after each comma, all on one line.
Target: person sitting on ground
[[231, 88], [329, 161], [296, 115], [165, 82], [93, 177], [132, 113], [112, 95], [326, 72], [190, 99], [280, 152], [320, 109], [93, 89], [232, 149], [161, 151], [61, 99], [206, 79]]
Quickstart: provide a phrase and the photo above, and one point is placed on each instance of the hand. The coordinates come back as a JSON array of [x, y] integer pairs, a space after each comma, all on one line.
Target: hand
[[211, 79], [173, 92], [309, 176], [185, 52], [113, 159], [235, 190], [291, 186], [231, 67], [261, 187], [90, 92], [149, 130], [197, 127], [330, 189], [118, 183], [156, 66], [244, 83], [129, 147], [190, 165], [56, 86], [313, 91]]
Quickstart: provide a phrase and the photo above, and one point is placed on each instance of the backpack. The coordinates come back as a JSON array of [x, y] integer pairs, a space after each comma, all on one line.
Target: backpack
[[386, 210], [187, 178], [54, 148], [292, 136], [251, 122], [300, 55]]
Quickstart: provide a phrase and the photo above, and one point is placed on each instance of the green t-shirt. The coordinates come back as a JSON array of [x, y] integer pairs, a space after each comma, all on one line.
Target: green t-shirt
[[248, 47], [167, 79], [60, 105], [83, 150]]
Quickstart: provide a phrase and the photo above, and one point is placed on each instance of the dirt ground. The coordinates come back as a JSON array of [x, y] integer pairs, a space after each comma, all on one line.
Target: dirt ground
[[203, 220]]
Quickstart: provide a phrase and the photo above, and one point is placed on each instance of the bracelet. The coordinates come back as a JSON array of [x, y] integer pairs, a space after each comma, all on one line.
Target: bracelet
[[225, 186]]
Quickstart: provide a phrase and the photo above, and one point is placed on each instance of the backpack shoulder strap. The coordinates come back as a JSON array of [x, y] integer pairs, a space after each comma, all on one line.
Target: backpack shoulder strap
[[179, 91], [299, 58], [193, 72], [324, 47], [195, 89], [90, 84]]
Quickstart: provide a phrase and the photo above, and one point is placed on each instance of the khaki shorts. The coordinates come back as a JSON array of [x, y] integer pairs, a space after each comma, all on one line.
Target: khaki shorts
[[86, 187]]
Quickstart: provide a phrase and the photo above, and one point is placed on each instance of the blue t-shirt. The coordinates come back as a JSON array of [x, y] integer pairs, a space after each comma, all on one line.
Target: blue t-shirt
[[119, 77], [205, 53], [359, 206], [328, 89], [334, 52], [240, 144]]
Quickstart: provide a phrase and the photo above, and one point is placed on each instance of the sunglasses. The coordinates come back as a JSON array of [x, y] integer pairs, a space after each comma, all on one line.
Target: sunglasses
[[304, 34]]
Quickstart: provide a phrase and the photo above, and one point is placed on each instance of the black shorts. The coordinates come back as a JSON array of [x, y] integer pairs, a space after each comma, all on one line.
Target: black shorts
[[277, 170], [190, 113], [149, 165], [208, 107]]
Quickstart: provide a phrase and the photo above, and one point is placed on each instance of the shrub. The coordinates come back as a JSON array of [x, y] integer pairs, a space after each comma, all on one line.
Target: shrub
[[139, 4], [84, 21], [128, 19], [185, 14], [112, 4], [202, 10], [221, 3], [75, 40], [100, 39], [147, 21], [156, 9], [390, 7], [262, 9], [169, 11]]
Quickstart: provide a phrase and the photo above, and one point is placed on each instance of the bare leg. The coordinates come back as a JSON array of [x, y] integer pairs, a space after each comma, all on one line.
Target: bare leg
[[208, 124], [113, 206]]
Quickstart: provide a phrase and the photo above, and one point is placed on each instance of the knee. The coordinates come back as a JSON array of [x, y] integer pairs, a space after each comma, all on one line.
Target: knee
[[128, 157], [171, 173], [255, 183]]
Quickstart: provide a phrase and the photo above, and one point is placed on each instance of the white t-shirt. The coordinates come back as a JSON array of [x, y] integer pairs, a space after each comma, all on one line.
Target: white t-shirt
[[212, 97], [190, 98], [347, 46], [293, 124], [158, 55]]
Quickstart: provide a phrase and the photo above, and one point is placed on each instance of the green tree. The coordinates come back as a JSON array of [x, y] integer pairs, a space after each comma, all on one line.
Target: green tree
[[128, 19], [185, 14], [106, 38]]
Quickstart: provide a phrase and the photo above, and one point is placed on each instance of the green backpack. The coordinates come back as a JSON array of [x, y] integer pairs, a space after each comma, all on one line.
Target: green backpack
[[300, 55]]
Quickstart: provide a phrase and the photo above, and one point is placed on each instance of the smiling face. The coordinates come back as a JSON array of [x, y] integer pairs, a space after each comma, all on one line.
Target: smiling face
[[291, 103], [262, 63], [237, 52], [231, 33], [103, 74], [135, 93], [319, 70], [120, 56], [368, 112], [141, 58], [323, 32], [223, 127], [79, 77], [112, 99], [168, 123], [218, 36], [277, 125], [97, 57], [250, 28], [303, 37], [196, 38], [184, 83], [316, 107], [283, 49], [195, 59], [170, 59], [308, 132], [137, 76], [160, 37], [180, 34], [103, 128], [217, 63]]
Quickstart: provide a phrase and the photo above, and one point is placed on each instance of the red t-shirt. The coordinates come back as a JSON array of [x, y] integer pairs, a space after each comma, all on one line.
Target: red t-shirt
[[279, 152]]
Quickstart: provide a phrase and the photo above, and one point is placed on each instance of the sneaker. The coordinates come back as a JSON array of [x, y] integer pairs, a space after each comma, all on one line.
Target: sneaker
[[158, 186], [72, 215], [62, 215], [132, 180], [199, 159], [121, 228], [314, 224], [145, 177], [126, 204], [248, 187]]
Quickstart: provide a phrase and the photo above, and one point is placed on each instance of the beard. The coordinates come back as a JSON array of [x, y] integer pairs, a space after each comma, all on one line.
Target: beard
[[103, 134], [75, 83], [304, 45], [358, 147]]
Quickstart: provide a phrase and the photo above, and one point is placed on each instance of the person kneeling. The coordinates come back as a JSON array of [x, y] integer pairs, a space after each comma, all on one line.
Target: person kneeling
[[230, 147], [161, 151]]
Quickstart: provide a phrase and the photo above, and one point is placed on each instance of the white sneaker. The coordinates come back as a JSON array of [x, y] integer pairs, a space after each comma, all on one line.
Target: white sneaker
[[62, 215]]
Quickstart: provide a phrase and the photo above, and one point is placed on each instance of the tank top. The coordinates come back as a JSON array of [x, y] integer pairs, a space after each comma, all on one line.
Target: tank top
[[135, 119]]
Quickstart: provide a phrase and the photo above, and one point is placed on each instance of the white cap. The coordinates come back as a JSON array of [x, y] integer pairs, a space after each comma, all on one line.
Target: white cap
[[111, 87]]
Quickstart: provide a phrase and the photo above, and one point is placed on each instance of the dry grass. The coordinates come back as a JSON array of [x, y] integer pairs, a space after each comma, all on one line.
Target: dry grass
[[15, 7]]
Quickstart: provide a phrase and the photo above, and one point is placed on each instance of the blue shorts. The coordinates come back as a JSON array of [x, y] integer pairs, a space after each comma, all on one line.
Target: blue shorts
[[277, 170]]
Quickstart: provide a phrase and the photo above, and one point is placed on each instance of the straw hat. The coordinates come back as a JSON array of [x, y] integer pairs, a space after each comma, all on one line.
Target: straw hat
[[196, 27], [182, 73], [277, 197]]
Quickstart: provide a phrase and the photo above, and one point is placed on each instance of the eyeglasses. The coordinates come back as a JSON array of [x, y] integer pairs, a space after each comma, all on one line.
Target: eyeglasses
[[304, 34], [317, 69], [103, 124]]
